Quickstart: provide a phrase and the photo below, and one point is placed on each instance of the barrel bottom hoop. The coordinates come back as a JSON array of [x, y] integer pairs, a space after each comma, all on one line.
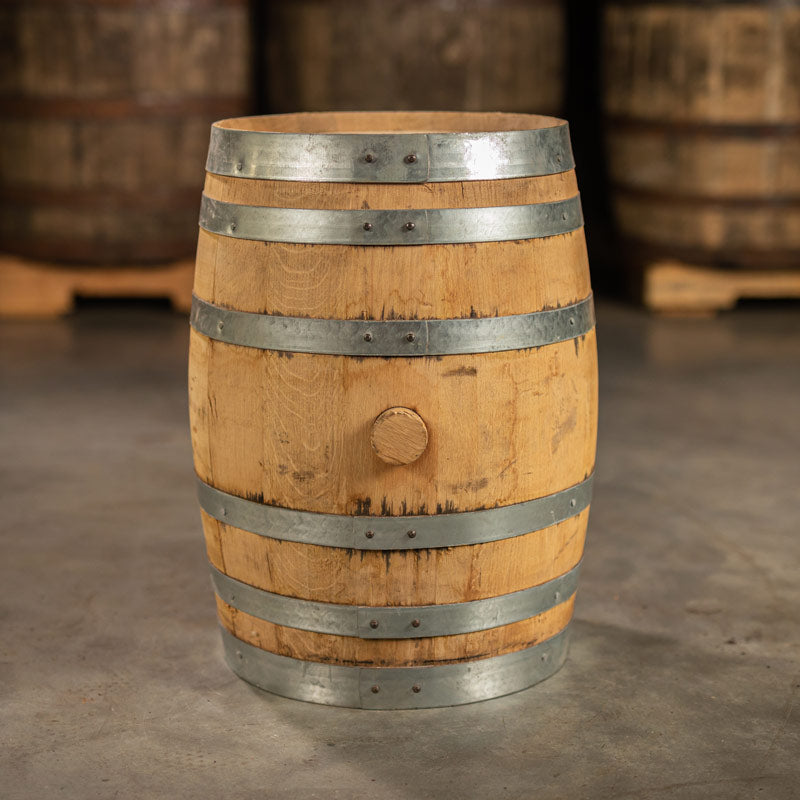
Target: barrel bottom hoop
[[391, 533], [395, 622], [395, 687]]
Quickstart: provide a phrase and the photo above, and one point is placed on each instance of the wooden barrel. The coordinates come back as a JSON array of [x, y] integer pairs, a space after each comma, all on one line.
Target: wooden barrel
[[475, 55], [703, 129], [105, 114], [393, 398]]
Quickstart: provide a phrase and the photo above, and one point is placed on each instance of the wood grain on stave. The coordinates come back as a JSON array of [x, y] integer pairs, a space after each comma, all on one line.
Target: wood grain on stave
[[371, 283], [483, 279], [398, 577], [293, 429]]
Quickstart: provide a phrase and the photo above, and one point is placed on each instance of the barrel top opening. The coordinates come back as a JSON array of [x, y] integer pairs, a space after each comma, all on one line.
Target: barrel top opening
[[382, 122]]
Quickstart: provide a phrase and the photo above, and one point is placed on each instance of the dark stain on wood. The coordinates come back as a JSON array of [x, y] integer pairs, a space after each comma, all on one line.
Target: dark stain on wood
[[460, 372], [363, 506], [470, 486], [303, 476]]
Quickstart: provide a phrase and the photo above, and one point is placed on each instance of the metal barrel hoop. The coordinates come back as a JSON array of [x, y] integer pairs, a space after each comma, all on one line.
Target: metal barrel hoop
[[427, 337], [395, 687], [390, 157], [395, 622], [391, 532], [394, 227]]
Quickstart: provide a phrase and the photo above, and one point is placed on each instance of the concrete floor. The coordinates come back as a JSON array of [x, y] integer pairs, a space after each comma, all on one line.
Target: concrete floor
[[684, 672]]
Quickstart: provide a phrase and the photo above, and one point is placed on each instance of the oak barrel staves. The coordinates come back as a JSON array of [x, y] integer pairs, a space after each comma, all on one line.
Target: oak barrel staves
[[471, 55], [105, 114], [703, 130], [462, 308]]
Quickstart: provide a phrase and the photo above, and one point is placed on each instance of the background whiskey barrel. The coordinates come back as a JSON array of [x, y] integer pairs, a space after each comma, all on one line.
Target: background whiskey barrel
[[291, 429], [702, 104], [505, 55], [104, 114]]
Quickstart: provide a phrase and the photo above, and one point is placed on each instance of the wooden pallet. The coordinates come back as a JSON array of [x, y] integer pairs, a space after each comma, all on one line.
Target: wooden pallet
[[675, 288], [39, 289]]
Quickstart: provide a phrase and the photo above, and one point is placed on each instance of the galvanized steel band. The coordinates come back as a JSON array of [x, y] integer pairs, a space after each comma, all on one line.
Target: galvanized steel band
[[395, 687], [395, 622], [390, 228], [391, 157], [392, 533], [426, 337]]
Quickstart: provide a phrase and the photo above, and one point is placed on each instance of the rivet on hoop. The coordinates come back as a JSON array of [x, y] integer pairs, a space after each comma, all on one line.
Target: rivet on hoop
[[240, 166], [373, 623], [233, 226], [367, 337], [411, 534], [369, 158], [416, 688], [415, 623], [409, 226], [411, 158], [410, 337], [369, 534], [375, 689], [367, 226]]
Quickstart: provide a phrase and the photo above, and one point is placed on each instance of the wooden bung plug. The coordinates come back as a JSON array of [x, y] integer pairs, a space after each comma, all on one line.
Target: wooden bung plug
[[399, 436]]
